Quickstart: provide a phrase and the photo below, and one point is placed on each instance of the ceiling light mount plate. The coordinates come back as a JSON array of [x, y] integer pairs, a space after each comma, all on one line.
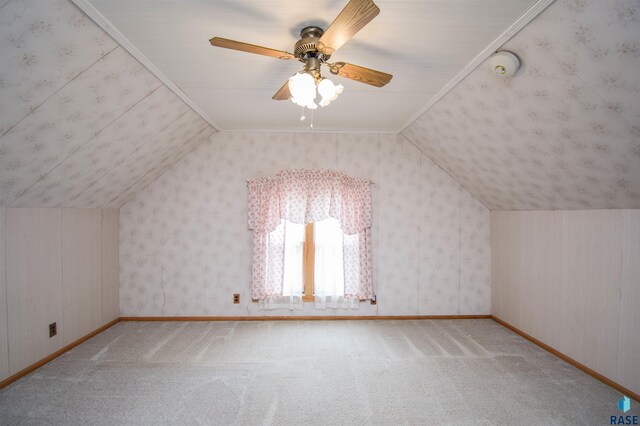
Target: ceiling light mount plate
[[311, 31]]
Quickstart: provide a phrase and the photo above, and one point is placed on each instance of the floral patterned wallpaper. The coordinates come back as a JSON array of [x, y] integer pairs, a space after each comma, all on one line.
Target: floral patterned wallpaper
[[564, 132], [185, 247], [88, 126], [81, 121]]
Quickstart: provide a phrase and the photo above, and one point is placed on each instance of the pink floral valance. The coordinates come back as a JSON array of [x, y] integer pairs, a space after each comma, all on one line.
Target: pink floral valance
[[305, 196]]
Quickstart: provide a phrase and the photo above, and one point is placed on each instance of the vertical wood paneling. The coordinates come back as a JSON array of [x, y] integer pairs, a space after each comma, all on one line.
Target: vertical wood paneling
[[591, 276], [570, 279], [505, 262], [629, 333], [34, 284], [4, 344], [81, 258], [110, 284], [539, 274]]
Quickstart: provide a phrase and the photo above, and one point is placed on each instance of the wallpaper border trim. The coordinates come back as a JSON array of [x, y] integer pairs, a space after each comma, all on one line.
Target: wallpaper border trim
[[520, 23], [112, 31], [569, 360]]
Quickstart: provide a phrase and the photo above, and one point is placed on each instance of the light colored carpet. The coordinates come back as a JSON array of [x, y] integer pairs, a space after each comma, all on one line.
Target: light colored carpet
[[308, 372]]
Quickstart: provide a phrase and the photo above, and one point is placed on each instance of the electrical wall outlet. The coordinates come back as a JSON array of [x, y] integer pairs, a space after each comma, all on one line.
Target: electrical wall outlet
[[53, 329], [374, 300], [236, 298]]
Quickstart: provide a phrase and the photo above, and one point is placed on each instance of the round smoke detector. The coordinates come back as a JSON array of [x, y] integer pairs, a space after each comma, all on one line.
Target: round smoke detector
[[504, 64]]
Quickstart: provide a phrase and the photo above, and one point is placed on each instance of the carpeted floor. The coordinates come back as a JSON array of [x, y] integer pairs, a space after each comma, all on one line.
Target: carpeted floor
[[308, 372]]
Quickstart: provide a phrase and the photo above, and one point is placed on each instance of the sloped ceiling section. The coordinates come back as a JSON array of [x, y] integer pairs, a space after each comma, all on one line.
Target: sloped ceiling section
[[564, 132], [423, 43], [83, 124]]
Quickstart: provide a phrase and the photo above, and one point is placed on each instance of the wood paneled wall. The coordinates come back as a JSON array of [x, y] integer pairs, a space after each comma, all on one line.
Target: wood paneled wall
[[629, 327], [34, 284], [82, 274], [4, 344], [572, 280], [110, 266], [55, 263]]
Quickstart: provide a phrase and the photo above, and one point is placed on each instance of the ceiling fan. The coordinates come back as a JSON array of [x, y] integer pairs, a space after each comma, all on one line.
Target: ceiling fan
[[314, 49]]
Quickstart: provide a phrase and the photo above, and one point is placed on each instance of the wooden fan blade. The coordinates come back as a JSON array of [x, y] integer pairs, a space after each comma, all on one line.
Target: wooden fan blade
[[283, 94], [355, 15], [361, 74], [250, 48]]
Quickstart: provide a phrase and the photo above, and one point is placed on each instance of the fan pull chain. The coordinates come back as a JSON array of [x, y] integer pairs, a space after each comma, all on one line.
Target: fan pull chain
[[302, 117], [311, 119]]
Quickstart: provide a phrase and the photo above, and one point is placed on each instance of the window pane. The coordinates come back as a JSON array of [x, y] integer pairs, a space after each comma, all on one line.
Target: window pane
[[329, 269], [293, 252]]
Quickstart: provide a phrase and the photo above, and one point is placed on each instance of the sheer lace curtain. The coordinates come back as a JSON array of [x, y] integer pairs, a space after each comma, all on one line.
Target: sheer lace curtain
[[340, 207]]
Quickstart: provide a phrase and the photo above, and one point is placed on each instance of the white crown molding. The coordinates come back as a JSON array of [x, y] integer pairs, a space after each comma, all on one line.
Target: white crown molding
[[311, 131], [104, 23], [527, 17]]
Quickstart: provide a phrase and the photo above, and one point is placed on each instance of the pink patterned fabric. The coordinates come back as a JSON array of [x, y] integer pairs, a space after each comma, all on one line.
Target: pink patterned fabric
[[306, 196]]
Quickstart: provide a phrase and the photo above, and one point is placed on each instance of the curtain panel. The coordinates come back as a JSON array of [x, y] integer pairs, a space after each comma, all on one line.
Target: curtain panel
[[306, 196]]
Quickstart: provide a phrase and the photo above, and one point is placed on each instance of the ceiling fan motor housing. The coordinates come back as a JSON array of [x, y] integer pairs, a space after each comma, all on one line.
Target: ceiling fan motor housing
[[306, 47]]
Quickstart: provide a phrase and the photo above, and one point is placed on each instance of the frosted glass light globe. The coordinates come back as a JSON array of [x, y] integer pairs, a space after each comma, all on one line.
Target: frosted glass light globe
[[327, 89], [339, 89], [303, 89]]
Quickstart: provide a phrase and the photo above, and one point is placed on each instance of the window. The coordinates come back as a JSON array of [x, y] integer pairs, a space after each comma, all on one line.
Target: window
[[313, 264], [285, 253]]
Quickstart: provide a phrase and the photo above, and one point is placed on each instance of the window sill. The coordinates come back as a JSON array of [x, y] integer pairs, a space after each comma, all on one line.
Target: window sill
[[304, 299], [313, 299]]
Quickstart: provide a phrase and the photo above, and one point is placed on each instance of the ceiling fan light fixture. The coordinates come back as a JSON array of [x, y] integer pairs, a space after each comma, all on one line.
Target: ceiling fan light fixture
[[338, 92], [313, 49], [328, 91], [303, 89]]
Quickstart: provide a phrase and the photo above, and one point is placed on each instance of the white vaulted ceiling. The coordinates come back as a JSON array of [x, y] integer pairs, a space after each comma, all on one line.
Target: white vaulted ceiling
[[424, 44]]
